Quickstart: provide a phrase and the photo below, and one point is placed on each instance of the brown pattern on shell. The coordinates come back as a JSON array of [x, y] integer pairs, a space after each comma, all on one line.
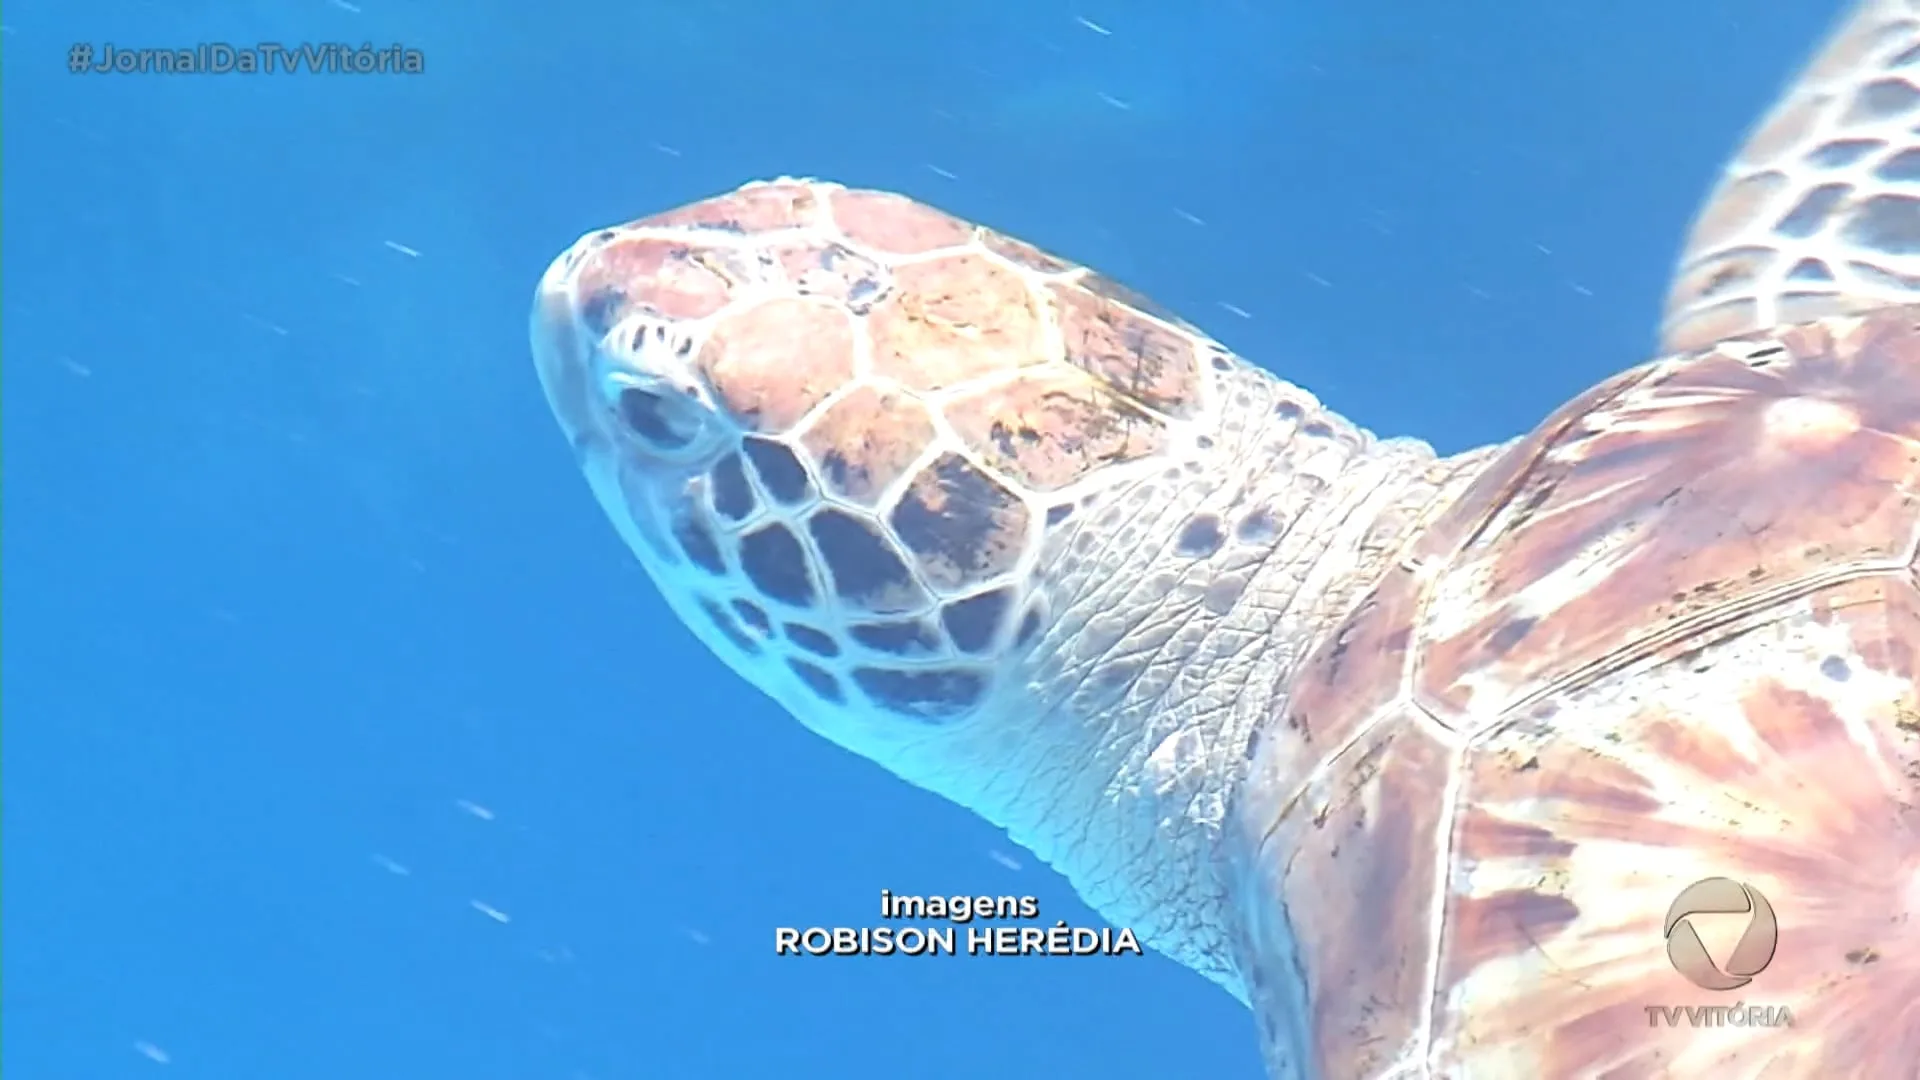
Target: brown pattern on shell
[[771, 363], [1361, 669], [866, 440], [1877, 623], [953, 319], [1879, 618], [1052, 428], [1506, 923], [1636, 731], [1358, 671], [1688, 503], [754, 208], [1353, 859], [1108, 289], [1733, 762], [1698, 491], [1353, 686], [1139, 357], [1021, 253], [894, 224]]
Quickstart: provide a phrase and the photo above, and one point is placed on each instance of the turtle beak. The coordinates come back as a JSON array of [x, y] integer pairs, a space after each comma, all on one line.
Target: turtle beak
[[562, 355]]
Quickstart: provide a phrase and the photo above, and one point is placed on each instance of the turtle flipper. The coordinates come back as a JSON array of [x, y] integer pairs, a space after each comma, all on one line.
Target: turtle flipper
[[1819, 213]]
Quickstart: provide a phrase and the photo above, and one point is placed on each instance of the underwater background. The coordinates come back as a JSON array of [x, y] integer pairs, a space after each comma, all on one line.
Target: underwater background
[[342, 737]]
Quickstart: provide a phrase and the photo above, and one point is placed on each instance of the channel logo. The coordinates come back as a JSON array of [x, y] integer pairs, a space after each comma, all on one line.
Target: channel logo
[[1721, 896]]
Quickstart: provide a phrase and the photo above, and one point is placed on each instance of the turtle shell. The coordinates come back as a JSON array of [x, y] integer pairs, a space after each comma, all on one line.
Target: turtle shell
[[1673, 634]]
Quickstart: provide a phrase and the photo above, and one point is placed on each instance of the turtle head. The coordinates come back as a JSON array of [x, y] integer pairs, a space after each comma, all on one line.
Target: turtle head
[[963, 508], [804, 510]]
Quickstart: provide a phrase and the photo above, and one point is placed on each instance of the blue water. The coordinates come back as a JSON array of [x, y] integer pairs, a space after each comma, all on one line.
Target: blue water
[[343, 738]]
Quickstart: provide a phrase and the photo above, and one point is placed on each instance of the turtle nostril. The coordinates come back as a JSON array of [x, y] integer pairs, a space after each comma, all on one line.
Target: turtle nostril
[[656, 419]]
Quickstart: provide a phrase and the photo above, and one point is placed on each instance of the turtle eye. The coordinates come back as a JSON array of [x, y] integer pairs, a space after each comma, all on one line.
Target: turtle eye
[[657, 419]]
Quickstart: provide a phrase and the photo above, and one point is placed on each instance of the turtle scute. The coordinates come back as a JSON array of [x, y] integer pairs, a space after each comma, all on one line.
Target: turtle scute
[[1673, 634], [890, 410]]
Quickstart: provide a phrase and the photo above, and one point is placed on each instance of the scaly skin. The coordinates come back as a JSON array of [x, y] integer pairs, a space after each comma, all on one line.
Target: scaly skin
[[1411, 754]]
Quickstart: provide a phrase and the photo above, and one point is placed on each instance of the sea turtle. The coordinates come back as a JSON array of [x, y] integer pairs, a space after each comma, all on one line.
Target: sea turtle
[[1412, 754]]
